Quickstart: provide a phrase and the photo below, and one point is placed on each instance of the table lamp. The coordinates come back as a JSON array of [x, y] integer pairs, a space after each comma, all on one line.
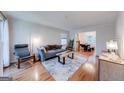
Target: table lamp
[[112, 46]]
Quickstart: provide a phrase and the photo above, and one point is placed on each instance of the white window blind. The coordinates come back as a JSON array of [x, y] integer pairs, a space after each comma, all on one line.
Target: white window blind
[[63, 41]]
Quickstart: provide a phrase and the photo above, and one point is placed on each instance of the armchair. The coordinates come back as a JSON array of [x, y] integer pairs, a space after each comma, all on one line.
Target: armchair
[[22, 53]]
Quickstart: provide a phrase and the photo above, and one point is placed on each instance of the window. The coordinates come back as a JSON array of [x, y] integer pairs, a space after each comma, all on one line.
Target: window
[[63, 37], [63, 41]]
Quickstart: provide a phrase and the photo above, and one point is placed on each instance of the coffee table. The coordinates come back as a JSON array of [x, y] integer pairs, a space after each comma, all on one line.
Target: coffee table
[[65, 54]]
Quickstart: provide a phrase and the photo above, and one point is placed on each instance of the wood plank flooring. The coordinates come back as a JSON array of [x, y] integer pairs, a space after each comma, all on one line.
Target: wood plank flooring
[[35, 73], [86, 72]]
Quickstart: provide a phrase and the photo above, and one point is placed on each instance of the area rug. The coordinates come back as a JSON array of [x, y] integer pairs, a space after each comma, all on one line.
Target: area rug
[[62, 72]]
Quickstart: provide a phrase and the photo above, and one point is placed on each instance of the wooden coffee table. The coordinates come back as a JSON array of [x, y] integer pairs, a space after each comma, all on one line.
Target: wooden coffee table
[[65, 54]]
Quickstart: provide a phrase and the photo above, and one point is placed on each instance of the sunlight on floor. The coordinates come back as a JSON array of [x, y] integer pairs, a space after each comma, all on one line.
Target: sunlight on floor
[[89, 68]]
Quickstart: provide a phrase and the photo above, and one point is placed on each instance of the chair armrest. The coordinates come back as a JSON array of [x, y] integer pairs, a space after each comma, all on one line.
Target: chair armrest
[[15, 55]]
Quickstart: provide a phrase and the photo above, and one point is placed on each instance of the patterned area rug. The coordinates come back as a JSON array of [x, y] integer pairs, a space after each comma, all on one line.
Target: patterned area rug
[[62, 72]]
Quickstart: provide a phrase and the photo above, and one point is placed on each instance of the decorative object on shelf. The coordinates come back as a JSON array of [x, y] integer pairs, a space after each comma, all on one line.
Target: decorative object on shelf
[[112, 46], [110, 56]]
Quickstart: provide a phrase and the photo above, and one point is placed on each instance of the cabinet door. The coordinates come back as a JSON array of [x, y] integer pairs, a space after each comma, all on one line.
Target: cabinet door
[[111, 71]]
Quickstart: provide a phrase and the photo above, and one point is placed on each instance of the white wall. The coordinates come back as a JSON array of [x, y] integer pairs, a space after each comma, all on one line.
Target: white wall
[[120, 33], [23, 32], [103, 33]]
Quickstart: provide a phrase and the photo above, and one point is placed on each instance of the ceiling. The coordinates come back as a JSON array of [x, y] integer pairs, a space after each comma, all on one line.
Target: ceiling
[[65, 20]]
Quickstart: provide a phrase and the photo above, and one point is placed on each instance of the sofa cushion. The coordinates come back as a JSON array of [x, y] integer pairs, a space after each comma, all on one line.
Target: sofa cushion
[[58, 46], [59, 50], [52, 47], [46, 47], [43, 48], [52, 53]]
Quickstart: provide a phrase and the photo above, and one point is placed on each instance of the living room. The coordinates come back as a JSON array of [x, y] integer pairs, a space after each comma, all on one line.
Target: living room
[[57, 31]]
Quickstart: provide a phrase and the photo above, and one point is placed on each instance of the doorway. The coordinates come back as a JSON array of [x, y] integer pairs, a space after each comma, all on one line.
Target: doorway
[[86, 43]]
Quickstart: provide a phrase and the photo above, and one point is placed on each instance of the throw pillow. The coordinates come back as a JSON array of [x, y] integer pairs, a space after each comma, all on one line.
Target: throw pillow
[[41, 55], [44, 49], [58, 46], [52, 47]]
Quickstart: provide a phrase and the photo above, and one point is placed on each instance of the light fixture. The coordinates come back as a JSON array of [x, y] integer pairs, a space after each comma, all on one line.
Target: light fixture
[[111, 46], [35, 40], [35, 43]]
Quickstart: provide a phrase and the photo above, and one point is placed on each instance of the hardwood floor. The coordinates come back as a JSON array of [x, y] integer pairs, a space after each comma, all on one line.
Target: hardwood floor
[[86, 54], [35, 73], [86, 72]]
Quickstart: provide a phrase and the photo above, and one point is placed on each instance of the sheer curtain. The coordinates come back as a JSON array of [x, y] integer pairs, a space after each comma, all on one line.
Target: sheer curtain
[[5, 39], [1, 53]]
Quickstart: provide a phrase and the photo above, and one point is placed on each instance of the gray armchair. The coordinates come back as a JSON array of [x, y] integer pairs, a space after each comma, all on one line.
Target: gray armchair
[[22, 53]]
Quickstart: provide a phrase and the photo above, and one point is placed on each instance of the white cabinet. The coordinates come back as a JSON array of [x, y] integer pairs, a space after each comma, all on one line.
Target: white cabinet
[[110, 71]]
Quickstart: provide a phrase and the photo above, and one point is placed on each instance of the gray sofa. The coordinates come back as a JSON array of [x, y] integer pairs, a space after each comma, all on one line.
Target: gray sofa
[[49, 51]]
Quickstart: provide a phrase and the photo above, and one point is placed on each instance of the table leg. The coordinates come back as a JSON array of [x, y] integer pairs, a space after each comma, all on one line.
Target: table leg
[[72, 55], [58, 58], [63, 60]]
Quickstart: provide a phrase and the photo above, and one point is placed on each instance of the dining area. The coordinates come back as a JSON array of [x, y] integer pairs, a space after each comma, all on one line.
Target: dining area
[[87, 47], [86, 42]]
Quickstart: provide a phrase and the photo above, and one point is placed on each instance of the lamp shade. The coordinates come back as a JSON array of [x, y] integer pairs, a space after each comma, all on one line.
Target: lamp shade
[[112, 45], [36, 41]]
